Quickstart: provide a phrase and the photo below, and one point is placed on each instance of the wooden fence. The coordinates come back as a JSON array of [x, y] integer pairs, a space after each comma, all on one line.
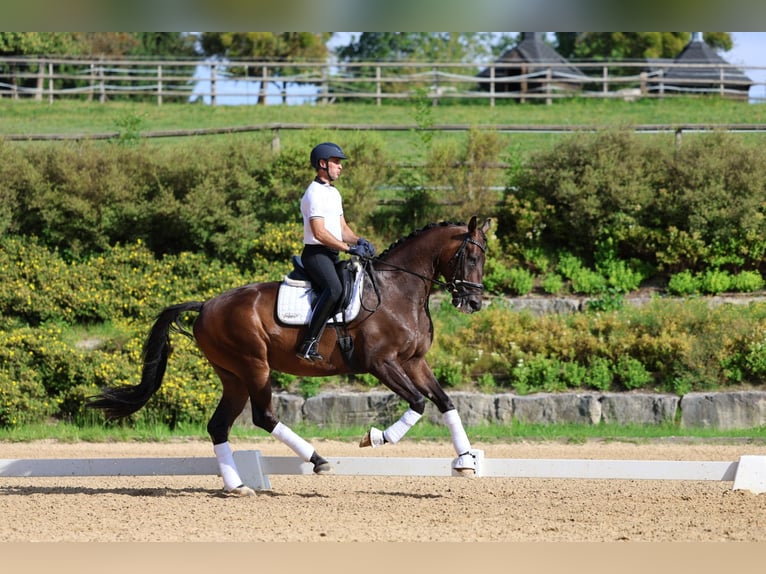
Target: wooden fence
[[276, 128], [215, 83]]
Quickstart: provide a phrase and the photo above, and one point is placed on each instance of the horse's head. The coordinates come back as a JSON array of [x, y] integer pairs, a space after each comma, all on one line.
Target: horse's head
[[467, 268]]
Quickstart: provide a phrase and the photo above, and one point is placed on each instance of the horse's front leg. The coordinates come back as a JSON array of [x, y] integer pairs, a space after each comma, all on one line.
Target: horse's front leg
[[421, 374], [391, 374]]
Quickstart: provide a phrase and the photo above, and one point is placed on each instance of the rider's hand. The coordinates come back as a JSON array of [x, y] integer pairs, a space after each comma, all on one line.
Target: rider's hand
[[357, 250], [369, 249]]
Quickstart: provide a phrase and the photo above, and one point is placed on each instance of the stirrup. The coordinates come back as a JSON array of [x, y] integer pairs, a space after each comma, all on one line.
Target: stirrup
[[308, 351]]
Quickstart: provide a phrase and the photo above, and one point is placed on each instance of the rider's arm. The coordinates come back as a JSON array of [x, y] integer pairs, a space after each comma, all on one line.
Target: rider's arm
[[325, 237], [348, 235]]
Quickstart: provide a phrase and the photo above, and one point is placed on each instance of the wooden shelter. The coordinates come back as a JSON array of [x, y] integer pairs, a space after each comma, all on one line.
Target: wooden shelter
[[532, 67], [703, 71]]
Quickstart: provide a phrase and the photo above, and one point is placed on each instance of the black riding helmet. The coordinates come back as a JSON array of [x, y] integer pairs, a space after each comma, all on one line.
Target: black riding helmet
[[325, 151]]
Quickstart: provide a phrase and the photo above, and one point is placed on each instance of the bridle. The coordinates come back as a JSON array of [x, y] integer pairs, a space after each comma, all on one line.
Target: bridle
[[458, 287], [461, 287]]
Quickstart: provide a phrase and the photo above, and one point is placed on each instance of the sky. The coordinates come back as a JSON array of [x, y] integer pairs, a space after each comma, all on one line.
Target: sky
[[749, 52]]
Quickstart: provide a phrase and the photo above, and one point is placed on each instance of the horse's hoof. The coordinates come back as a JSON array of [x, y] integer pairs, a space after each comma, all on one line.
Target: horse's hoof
[[465, 465], [324, 468], [373, 438], [321, 466], [241, 491]]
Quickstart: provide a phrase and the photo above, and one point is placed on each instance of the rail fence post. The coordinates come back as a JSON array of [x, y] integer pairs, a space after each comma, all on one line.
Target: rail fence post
[[40, 81], [159, 84], [50, 82], [492, 85], [377, 84], [213, 95]]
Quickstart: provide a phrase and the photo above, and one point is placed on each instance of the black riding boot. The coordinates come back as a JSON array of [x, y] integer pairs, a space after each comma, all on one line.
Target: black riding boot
[[322, 311]]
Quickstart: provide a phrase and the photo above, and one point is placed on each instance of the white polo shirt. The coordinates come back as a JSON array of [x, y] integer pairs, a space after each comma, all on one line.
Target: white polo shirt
[[321, 200]]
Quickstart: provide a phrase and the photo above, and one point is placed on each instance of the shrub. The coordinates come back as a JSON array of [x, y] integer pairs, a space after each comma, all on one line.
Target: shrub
[[715, 281], [552, 283], [747, 282], [587, 282], [632, 374], [449, 373], [599, 374], [498, 278], [684, 283]]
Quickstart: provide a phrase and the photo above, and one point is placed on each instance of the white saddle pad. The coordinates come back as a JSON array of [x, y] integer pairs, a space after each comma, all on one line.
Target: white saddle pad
[[294, 301]]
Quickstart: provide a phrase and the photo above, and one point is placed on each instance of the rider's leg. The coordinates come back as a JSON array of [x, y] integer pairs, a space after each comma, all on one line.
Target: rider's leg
[[319, 316], [319, 263]]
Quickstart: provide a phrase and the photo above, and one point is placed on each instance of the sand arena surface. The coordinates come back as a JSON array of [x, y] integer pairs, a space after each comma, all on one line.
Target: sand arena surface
[[379, 509]]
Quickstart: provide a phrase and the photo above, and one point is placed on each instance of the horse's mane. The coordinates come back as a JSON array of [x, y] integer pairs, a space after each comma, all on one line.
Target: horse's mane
[[418, 232]]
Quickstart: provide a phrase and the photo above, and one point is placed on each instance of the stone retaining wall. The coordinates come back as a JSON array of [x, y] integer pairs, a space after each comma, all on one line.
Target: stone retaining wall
[[726, 410]]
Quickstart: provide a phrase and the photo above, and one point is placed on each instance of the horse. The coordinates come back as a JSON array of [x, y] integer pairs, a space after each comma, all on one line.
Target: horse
[[243, 340]]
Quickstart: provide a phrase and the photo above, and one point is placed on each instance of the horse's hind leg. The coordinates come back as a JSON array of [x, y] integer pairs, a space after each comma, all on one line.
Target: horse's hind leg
[[235, 395], [263, 417], [229, 407]]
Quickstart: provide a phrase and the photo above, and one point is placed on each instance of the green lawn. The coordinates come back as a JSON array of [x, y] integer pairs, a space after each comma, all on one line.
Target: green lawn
[[69, 117], [423, 431]]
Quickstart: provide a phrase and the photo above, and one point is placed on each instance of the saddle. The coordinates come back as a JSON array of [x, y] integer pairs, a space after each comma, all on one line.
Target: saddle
[[296, 295]]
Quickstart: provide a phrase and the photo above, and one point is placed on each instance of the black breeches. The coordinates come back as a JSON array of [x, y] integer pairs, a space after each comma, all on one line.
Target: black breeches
[[319, 263]]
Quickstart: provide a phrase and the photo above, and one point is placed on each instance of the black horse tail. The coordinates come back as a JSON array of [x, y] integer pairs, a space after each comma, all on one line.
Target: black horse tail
[[119, 402]]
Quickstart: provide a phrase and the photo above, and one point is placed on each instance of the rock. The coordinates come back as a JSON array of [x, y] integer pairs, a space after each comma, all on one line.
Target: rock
[[735, 410], [638, 408], [346, 408], [557, 408], [732, 410]]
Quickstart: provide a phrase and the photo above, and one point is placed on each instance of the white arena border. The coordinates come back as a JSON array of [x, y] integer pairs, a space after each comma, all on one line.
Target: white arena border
[[748, 473]]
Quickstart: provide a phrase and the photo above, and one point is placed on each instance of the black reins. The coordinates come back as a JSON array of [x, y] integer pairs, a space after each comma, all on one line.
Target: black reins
[[454, 286]]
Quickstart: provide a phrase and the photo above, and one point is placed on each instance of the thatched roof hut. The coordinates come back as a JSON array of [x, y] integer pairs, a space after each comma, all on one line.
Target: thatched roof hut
[[527, 67], [717, 76]]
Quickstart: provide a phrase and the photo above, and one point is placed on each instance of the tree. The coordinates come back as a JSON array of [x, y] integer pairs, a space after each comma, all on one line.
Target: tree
[[156, 45], [94, 44], [414, 47], [108, 44], [419, 47], [631, 45], [284, 46], [36, 43]]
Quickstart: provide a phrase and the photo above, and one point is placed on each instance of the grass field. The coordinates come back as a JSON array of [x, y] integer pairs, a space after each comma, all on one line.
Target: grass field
[[69, 117], [424, 430], [29, 117]]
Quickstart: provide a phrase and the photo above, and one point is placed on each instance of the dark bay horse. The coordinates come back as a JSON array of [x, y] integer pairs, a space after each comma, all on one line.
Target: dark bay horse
[[241, 337]]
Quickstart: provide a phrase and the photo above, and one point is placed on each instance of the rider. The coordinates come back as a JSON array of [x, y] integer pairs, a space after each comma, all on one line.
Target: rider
[[325, 235]]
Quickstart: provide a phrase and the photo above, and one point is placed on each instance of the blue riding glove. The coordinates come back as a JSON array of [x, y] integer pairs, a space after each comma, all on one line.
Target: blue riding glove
[[357, 250], [370, 250]]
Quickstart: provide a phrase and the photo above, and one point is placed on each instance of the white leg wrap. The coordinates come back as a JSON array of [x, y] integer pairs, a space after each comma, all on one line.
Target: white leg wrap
[[457, 432], [299, 446], [396, 431], [228, 469]]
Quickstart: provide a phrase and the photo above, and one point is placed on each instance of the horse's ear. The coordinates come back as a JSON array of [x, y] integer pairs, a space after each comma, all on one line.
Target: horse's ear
[[473, 222]]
